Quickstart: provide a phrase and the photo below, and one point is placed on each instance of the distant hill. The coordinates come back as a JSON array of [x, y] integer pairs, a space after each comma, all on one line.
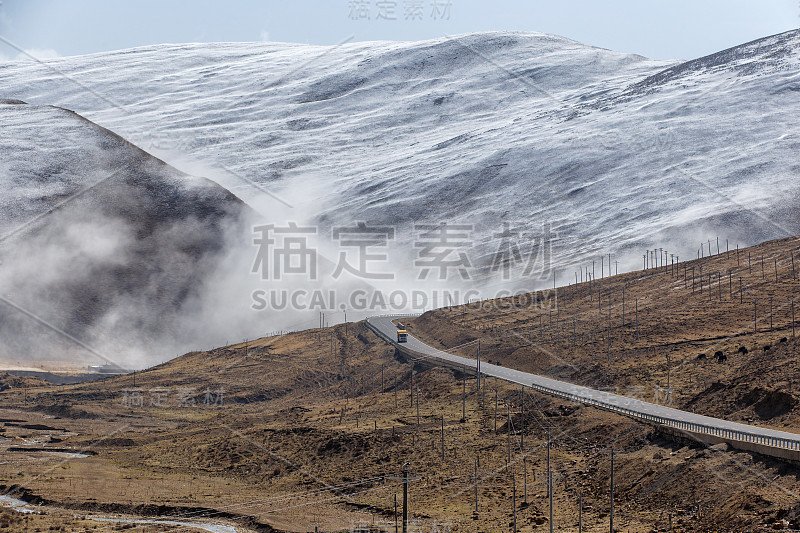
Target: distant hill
[[612, 152], [615, 151], [102, 241]]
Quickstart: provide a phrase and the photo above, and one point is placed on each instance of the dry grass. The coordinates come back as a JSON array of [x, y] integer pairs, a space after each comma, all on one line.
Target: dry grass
[[307, 436], [676, 325]]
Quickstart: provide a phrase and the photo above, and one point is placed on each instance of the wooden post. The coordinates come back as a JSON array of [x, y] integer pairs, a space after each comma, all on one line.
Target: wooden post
[[476, 485], [514, 497], [417, 395], [522, 424], [669, 390], [478, 367], [609, 320], [442, 437], [730, 284], [405, 499], [508, 433], [495, 410], [411, 390], [464, 398], [611, 521], [525, 477], [483, 396], [549, 481]]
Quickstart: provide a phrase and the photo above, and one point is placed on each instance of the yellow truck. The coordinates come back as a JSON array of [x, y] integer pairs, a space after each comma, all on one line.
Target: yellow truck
[[402, 335]]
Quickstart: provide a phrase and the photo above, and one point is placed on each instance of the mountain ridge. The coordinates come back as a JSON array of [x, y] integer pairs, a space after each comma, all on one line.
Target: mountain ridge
[[535, 131], [101, 242]]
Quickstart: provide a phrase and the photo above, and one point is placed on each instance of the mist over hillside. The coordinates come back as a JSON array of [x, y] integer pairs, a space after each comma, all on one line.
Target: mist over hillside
[[602, 152], [107, 253]]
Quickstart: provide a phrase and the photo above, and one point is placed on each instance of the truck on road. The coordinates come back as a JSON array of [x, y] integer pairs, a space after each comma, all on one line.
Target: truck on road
[[402, 335]]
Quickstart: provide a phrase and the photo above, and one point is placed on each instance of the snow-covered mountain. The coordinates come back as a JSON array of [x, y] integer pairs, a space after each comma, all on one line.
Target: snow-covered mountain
[[615, 152], [105, 251]]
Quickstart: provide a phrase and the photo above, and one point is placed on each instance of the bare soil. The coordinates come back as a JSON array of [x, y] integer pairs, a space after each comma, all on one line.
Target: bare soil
[[301, 431]]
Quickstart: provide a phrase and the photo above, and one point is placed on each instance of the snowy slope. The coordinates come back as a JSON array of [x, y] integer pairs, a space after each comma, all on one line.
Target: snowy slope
[[616, 152], [103, 244]]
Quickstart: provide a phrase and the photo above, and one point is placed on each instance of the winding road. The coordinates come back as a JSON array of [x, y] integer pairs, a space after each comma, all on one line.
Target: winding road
[[706, 429]]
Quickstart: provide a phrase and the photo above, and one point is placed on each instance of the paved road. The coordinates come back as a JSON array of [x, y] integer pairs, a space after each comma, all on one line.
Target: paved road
[[698, 425]]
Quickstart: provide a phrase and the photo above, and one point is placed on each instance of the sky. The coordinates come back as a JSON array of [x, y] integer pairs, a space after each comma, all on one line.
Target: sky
[[677, 29]]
